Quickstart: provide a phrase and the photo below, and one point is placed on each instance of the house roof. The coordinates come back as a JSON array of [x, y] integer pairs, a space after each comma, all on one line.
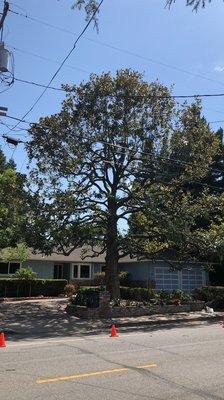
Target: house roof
[[76, 256]]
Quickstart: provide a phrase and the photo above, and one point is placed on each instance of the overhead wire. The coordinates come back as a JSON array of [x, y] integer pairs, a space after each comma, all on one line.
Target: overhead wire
[[168, 159], [63, 62], [182, 96], [117, 48], [48, 59]]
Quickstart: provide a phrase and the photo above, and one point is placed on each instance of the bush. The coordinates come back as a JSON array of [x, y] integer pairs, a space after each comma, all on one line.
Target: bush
[[99, 279], [87, 296], [138, 294], [39, 287], [212, 295], [125, 278], [181, 295], [25, 274], [70, 289]]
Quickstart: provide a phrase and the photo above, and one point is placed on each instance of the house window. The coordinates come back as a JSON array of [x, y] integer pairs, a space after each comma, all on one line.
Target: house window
[[81, 271], [9, 268], [58, 271], [13, 267], [75, 271], [84, 271]]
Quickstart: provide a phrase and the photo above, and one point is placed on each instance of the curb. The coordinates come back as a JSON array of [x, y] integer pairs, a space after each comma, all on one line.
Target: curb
[[165, 322]]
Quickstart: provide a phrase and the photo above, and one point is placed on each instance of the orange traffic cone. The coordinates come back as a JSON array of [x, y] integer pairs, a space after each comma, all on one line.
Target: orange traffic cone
[[113, 331], [2, 340]]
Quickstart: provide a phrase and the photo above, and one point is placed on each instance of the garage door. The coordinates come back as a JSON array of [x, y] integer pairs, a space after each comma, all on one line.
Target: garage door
[[166, 279], [191, 279]]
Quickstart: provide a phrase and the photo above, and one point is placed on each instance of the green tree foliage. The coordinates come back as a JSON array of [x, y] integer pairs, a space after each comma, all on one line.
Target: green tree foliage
[[12, 204], [18, 253], [25, 274], [184, 208], [90, 6], [195, 4], [108, 155]]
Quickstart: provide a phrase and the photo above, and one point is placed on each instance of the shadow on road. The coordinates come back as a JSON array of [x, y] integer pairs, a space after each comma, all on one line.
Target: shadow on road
[[39, 320]]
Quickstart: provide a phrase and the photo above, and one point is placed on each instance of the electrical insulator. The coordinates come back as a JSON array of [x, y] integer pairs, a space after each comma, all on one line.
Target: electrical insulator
[[4, 58]]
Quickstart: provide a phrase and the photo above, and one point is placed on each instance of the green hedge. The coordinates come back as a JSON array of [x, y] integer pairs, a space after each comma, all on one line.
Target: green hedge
[[86, 294], [212, 295], [39, 287], [138, 294]]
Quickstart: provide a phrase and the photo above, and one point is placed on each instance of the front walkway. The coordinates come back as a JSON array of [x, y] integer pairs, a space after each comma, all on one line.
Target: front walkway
[[47, 318]]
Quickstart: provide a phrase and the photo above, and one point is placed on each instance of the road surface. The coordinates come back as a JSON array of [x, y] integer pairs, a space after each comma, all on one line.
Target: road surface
[[180, 363]]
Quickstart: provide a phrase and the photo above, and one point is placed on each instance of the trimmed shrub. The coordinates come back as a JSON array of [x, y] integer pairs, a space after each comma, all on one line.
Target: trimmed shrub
[[138, 294], [212, 295], [39, 287], [87, 296]]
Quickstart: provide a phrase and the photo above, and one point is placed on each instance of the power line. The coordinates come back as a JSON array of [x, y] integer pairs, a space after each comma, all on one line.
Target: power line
[[48, 59], [168, 159], [174, 160], [128, 52], [62, 63], [182, 96], [40, 84]]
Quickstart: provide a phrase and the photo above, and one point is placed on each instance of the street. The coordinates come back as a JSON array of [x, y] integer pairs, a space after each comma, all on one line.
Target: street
[[179, 363]]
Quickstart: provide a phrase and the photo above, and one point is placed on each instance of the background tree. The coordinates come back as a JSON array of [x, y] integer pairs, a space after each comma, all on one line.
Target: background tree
[[13, 199], [97, 159], [184, 208]]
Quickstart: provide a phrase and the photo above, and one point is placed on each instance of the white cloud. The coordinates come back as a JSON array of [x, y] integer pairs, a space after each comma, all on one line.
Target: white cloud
[[219, 68]]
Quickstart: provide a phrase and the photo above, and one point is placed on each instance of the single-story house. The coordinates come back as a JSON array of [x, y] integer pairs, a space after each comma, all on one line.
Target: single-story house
[[74, 268]]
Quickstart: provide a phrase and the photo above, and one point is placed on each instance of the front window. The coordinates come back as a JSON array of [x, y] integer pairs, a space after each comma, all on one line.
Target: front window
[[84, 271], [75, 271], [9, 268], [81, 271], [13, 267]]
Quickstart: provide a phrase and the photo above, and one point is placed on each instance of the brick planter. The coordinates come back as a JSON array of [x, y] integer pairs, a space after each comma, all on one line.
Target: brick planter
[[130, 311]]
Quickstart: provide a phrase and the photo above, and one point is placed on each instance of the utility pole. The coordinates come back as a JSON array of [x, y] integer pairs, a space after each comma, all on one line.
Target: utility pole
[[3, 110], [4, 14]]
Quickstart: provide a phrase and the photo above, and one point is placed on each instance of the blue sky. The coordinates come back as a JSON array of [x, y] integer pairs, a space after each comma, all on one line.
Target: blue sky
[[189, 45]]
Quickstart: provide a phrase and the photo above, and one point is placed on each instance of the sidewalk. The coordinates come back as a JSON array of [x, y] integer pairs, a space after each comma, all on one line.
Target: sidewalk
[[24, 320]]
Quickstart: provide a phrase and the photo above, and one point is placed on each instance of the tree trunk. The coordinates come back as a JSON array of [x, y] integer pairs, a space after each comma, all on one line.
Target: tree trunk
[[111, 275]]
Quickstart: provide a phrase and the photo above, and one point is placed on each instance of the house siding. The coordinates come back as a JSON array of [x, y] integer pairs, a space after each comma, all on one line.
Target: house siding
[[187, 279], [140, 271], [44, 269]]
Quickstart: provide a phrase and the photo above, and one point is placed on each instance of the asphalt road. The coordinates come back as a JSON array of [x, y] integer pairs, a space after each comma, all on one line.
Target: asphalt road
[[183, 363]]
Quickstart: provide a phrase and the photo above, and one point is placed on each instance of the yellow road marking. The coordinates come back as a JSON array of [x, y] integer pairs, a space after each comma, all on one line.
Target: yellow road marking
[[89, 374]]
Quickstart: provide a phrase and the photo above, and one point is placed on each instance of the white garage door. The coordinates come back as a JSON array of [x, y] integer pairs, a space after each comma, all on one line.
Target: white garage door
[[166, 280], [192, 278]]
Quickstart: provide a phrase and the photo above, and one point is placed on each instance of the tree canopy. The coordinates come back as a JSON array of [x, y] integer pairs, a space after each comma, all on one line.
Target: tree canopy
[[120, 147], [13, 199]]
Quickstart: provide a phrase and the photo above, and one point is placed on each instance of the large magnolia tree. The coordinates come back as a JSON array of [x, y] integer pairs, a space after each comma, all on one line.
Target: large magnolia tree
[[112, 151]]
